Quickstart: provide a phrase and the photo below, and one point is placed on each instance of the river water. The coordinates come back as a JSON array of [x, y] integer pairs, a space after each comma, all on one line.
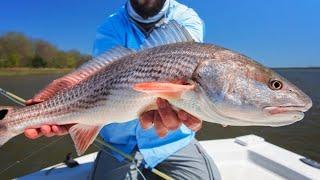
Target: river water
[[302, 137]]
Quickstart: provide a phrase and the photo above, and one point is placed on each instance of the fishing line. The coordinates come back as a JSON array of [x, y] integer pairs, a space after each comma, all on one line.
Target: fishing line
[[30, 155], [153, 170], [144, 178], [95, 143]]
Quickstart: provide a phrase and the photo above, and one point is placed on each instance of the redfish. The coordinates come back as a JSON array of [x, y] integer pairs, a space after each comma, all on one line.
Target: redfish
[[221, 86]]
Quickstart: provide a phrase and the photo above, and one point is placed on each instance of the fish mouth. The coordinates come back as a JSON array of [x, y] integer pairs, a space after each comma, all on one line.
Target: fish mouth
[[275, 110]]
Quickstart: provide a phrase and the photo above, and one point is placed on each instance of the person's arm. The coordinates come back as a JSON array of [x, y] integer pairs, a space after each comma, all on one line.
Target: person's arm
[[188, 18]]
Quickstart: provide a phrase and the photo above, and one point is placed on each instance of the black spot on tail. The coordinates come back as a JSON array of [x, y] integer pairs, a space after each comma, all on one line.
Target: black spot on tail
[[3, 113]]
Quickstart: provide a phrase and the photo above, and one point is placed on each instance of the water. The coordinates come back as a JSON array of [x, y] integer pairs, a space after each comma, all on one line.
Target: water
[[302, 137]]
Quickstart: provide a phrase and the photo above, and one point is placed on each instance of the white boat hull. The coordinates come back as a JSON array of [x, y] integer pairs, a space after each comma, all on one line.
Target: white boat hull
[[246, 157]]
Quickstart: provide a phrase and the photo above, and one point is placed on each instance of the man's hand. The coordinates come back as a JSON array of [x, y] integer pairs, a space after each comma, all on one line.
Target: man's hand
[[164, 119], [45, 130], [33, 101], [48, 131]]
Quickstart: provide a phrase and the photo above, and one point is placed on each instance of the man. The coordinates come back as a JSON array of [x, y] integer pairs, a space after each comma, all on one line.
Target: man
[[175, 152]]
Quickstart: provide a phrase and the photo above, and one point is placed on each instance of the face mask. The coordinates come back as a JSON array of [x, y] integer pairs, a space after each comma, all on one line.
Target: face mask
[[132, 13]]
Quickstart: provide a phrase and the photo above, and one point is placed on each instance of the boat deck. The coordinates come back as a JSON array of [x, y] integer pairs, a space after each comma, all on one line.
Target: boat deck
[[246, 157]]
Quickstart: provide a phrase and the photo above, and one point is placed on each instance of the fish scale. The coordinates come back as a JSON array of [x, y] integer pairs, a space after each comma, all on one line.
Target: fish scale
[[136, 70], [223, 87]]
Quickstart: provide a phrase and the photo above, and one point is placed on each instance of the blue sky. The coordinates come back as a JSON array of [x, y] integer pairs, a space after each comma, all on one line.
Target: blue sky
[[277, 33]]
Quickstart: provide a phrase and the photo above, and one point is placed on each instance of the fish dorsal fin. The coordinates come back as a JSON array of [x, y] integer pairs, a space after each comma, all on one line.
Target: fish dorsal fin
[[167, 33], [101, 61], [83, 72], [83, 136]]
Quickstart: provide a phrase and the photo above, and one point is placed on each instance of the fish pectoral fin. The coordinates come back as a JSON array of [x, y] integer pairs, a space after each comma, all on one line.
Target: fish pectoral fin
[[162, 89], [83, 136]]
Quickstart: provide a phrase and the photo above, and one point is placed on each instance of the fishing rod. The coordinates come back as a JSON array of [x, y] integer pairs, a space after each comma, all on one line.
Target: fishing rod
[[131, 158], [22, 102], [12, 97]]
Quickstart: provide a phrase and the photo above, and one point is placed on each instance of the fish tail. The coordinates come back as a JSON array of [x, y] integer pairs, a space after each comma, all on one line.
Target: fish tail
[[5, 134]]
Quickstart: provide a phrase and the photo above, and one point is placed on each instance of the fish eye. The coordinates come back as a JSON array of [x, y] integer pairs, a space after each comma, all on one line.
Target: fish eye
[[275, 84]]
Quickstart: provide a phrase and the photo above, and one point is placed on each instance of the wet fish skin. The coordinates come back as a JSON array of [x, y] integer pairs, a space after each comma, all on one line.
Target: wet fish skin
[[230, 89], [240, 90], [97, 100]]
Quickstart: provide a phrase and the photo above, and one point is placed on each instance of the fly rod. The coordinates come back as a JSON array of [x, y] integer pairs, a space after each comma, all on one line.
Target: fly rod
[[131, 158], [12, 97]]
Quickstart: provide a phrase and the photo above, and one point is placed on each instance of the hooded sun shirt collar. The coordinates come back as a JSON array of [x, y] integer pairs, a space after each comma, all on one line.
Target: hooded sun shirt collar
[[132, 13]]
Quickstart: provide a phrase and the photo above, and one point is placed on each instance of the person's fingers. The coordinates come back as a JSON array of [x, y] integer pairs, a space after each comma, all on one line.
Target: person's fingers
[[146, 119], [159, 126], [46, 131], [168, 115], [33, 101], [28, 102], [32, 133], [190, 121], [59, 130]]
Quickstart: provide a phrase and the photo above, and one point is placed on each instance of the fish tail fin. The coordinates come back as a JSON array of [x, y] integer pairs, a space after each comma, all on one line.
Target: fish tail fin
[[5, 134]]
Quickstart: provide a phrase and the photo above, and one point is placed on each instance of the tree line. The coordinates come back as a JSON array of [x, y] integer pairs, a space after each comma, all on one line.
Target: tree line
[[18, 50]]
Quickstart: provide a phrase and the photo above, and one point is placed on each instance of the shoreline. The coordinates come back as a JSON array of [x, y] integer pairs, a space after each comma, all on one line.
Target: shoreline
[[20, 71]]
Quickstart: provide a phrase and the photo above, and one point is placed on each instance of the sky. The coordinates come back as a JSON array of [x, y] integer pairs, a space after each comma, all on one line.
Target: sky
[[277, 33]]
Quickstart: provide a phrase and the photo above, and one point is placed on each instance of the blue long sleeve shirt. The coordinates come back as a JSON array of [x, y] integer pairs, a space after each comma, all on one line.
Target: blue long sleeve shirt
[[119, 29]]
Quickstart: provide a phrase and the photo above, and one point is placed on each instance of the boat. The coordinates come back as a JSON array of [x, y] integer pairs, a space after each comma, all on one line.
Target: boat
[[247, 157]]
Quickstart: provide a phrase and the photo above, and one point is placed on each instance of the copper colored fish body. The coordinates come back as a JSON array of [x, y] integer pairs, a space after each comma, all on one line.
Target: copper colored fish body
[[221, 87]]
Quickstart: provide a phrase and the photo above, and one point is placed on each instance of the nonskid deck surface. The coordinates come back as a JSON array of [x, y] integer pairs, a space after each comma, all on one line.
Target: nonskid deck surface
[[245, 157]]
